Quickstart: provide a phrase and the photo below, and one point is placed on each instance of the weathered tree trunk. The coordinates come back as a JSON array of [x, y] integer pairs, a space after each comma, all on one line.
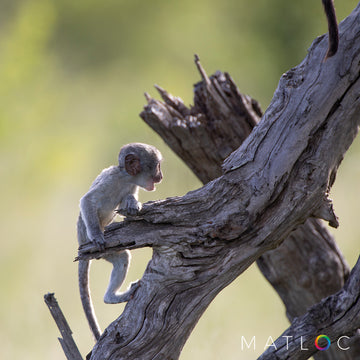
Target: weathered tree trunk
[[334, 316], [305, 268], [278, 178]]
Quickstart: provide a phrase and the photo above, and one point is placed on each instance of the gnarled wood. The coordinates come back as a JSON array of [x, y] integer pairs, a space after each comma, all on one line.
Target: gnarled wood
[[337, 316], [308, 265], [274, 182]]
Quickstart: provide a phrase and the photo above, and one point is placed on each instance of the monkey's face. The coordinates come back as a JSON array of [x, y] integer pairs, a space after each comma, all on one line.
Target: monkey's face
[[151, 177], [145, 173], [155, 178], [143, 165]]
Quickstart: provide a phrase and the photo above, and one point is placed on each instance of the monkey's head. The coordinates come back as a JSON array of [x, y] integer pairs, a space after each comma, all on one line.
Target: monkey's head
[[142, 163]]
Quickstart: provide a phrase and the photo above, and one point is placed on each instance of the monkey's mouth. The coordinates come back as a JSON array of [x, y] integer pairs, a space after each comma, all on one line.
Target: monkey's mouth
[[150, 186]]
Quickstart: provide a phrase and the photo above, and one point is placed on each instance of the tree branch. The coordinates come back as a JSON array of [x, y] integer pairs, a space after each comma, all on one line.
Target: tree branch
[[310, 250], [67, 342], [337, 316], [274, 182]]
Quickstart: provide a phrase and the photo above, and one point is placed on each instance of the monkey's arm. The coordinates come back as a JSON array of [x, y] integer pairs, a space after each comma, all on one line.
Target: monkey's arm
[[130, 205], [89, 214]]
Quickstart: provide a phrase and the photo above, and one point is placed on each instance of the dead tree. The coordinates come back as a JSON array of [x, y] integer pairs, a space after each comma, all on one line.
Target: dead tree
[[274, 182], [305, 268]]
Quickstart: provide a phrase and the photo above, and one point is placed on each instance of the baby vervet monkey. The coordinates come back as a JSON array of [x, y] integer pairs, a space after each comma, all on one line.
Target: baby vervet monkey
[[116, 188]]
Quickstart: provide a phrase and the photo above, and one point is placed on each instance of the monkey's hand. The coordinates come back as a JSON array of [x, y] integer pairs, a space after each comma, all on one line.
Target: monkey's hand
[[99, 241], [131, 206]]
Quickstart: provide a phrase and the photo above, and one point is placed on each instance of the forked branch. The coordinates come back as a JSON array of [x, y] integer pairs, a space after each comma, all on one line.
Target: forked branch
[[271, 184]]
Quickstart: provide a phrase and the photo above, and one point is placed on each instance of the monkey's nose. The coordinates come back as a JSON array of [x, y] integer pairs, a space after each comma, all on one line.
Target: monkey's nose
[[159, 178]]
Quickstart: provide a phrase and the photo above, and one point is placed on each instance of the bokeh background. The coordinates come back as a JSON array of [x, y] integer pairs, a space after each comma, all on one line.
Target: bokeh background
[[72, 78]]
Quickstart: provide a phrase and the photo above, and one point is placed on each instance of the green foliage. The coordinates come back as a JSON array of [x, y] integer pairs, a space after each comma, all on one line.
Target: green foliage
[[72, 75]]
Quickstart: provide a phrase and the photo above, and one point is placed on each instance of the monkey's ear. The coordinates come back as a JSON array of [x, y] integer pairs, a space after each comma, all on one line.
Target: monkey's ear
[[132, 164]]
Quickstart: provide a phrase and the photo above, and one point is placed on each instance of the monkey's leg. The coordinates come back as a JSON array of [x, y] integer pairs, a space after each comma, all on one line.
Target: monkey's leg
[[120, 263]]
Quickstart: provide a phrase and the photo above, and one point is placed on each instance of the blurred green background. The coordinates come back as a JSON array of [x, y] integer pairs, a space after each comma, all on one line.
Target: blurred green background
[[72, 78]]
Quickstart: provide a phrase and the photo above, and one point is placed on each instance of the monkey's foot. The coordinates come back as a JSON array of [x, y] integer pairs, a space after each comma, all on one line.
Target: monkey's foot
[[113, 298]]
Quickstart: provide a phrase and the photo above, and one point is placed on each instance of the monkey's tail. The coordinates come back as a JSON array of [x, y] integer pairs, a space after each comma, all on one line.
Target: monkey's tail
[[84, 269], [332, 26]]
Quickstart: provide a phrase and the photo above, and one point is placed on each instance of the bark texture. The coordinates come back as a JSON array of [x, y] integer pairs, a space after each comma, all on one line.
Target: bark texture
[[308, 265], [278, 178], [335, 315]]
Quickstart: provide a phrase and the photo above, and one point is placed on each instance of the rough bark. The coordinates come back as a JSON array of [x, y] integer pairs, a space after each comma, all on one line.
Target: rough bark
[[305, 268], [337, 316], [321, 272], [278, 178]]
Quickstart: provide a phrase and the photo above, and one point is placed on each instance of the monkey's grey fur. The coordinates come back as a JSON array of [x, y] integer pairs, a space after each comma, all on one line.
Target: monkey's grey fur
[[116, 188]]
